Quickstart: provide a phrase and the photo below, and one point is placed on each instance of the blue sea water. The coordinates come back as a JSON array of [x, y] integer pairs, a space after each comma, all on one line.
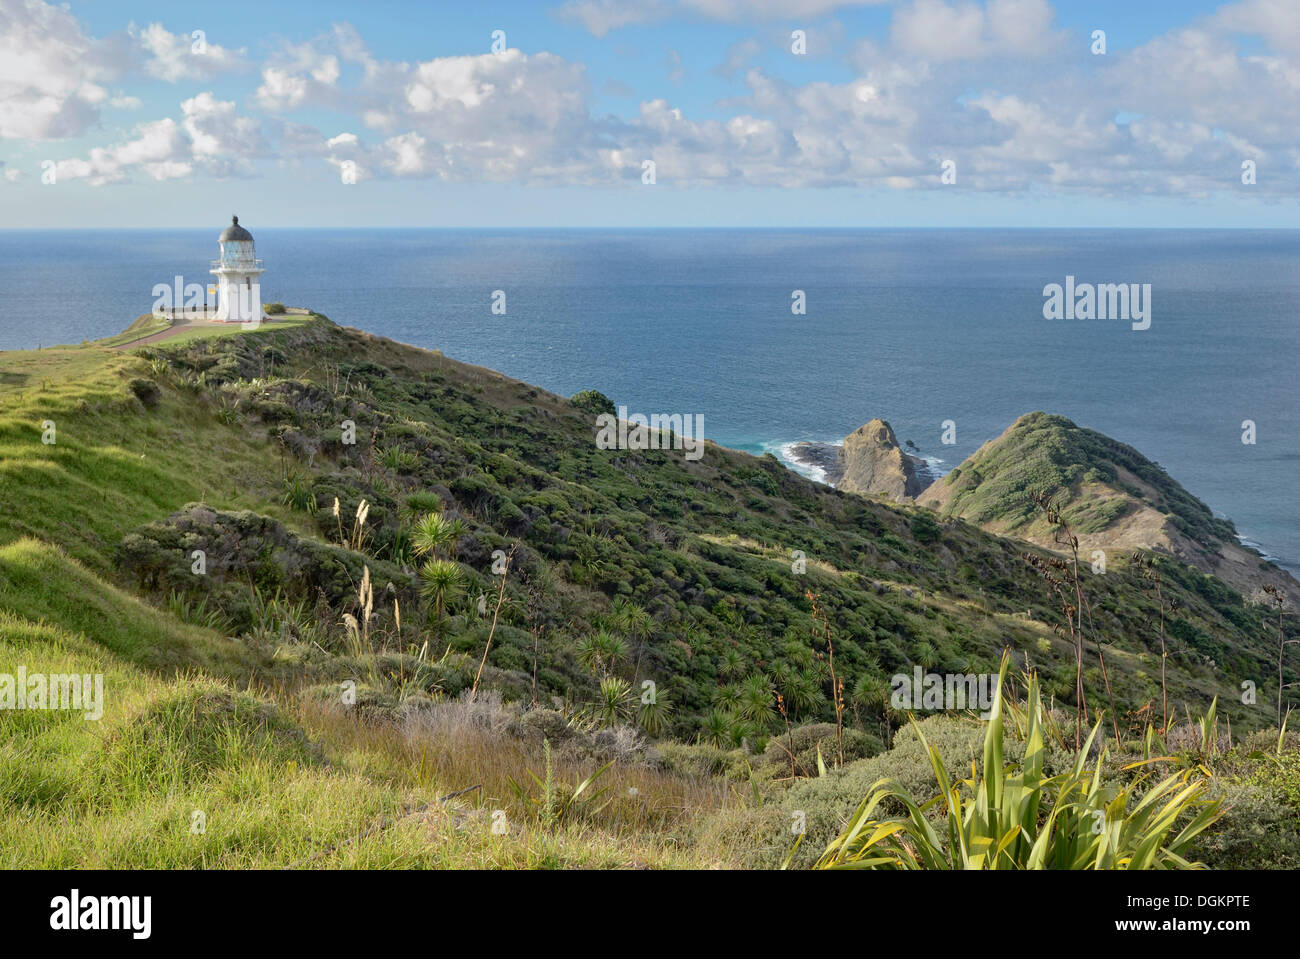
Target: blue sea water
[[915, 326]]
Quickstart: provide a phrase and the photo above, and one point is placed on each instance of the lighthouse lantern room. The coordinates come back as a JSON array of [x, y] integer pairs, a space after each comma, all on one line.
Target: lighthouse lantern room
[[238, 272]]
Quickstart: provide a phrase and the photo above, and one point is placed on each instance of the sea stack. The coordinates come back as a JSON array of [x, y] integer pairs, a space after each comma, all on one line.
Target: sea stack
[[873, 463]]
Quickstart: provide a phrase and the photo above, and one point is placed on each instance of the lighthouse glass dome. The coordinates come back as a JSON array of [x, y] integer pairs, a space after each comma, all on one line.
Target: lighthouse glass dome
[[236, 245]]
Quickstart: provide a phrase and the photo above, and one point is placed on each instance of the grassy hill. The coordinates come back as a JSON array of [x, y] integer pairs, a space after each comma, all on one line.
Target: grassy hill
[[312, 720], [1112, 497]]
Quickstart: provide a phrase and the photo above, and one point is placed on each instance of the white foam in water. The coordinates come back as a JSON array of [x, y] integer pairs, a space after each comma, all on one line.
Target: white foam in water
[[1251, 544], [935, 466], [785, 453]]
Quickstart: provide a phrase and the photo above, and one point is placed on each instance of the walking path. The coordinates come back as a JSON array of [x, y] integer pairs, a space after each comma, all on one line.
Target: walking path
[[185, 322]]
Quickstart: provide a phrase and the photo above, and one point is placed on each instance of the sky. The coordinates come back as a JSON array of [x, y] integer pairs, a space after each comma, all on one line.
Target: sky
[[748, 113]]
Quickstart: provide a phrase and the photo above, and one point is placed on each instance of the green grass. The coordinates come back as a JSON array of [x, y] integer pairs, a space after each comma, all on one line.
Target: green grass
[[145, 325], [39, 583], [277, 781], [114, 463], [217, 330]]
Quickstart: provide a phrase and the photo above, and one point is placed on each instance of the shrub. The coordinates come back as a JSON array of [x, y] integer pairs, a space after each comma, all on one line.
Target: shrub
[[146, 391], [925, 529], [549, 724], [1256, 831], [804, 742], [423, 502], [828, 802], [593, 402], [702, 759]]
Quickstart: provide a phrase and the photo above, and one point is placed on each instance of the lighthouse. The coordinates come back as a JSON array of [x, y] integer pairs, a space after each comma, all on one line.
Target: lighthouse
[[238, 272]]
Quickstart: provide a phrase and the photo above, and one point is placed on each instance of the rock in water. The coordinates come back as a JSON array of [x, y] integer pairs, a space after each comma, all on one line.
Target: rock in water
[[820, 456], [873, 462]]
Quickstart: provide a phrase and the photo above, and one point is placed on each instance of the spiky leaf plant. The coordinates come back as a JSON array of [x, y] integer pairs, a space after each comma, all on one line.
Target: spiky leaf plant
[[1006, 817]]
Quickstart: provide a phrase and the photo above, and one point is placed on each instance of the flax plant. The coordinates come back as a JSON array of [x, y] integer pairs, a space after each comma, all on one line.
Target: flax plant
[[1008, 817]]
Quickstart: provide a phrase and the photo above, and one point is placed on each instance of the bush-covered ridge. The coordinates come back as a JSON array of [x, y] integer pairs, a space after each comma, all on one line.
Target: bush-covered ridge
[[704, 549], [1047, 453]]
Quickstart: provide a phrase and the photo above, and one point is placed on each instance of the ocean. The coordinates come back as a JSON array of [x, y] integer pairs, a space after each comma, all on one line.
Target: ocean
[[918, 327]]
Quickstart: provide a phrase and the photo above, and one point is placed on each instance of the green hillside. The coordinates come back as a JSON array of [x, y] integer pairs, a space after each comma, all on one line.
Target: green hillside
[[1051, 454], [312, 719], [1110, 495]]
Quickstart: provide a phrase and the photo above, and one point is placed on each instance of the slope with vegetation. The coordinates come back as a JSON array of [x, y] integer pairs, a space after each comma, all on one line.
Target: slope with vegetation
[[358, 603], [1113, 497]]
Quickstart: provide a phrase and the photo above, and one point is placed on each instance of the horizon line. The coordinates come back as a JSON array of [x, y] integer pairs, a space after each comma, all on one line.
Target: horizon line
[[790, 227]]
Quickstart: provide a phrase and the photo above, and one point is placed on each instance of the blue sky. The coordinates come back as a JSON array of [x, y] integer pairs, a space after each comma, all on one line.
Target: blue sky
[[402, 114]]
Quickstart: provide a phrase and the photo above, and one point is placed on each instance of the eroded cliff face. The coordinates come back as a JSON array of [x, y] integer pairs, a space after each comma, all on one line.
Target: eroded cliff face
[[872, 462]]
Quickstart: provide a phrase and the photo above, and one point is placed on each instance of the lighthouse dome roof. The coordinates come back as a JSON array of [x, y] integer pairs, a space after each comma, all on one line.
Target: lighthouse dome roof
[[235, 233]]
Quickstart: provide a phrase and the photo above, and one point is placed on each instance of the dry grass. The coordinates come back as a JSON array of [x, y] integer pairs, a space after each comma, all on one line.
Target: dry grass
[[457, 745]]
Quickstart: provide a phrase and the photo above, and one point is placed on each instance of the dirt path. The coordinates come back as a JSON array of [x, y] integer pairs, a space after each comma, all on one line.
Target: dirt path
[[176, 327]]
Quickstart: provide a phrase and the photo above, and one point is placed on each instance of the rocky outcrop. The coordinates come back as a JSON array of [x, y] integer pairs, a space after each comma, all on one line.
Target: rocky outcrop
[[869, 462], [872, 462]]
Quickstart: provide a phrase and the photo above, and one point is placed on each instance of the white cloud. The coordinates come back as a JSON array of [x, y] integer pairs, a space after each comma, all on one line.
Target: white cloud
[[173, 56], [220, 137], [938, 31], [1034, 120], [599, 17], [308, 74], [159, 148], [281, 90], [51, 74], [211, 138], [496, 117], [1274, 20], [54, 77], [989, 85], [304, 74]]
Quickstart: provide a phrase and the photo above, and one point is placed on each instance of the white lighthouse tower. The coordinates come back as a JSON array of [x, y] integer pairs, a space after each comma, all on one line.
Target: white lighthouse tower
[[238, 272]]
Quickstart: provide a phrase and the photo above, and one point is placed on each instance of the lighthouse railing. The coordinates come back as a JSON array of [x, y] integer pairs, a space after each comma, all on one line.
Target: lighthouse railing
[[237, 263]]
